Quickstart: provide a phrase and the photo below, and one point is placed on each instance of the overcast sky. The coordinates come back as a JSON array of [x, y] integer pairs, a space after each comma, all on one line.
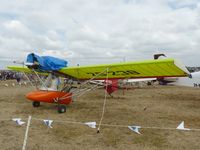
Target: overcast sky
[[91, 31]]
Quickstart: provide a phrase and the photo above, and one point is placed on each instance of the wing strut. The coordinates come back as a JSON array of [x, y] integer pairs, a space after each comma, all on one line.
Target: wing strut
[[28, 79], [81, 92], [43, 84]]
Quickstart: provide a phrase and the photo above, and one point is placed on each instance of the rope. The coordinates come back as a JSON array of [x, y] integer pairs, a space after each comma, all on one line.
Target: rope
[[60, 121], [104, 104], [26, 133]]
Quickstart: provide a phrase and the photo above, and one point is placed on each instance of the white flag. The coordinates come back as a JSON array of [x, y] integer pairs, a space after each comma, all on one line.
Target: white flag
[[18, 121], [48, 123], [135, 129], [181, 126], [91, 124]]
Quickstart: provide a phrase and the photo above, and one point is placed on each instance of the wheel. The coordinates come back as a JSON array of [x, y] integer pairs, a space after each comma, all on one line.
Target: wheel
[[36, 104], [61, 108]]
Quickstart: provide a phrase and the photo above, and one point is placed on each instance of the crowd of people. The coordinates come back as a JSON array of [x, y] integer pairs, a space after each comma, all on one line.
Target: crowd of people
[[19, 76], [8, 75]]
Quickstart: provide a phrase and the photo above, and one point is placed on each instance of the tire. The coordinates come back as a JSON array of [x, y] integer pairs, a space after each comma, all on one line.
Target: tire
[[61, 109], [36, 104]]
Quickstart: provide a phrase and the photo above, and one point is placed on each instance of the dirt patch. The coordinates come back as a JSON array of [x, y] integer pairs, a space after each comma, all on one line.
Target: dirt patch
[[160, 106]]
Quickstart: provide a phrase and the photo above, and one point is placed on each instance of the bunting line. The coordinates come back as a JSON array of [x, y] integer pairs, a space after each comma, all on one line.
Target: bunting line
[[105, 125], [112, 125], [91, 124]]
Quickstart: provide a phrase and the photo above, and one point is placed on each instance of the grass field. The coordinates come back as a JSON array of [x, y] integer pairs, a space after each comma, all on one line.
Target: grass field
[[165, 107]]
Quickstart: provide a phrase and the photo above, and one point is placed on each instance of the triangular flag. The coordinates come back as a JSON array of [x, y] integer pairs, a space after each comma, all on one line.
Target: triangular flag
[[135, 129], [48, 123], [18, 121], [181, 126], [91, 124]]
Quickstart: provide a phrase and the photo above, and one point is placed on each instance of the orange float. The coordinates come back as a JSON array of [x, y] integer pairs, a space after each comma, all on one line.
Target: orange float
[[50, 97]]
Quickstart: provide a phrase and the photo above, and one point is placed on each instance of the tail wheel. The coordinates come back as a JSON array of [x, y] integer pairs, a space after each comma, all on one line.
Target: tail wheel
[[61, 109], [36, 104]]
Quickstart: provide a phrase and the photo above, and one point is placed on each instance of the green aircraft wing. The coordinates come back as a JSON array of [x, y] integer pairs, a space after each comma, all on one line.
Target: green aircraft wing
[[138, 69]]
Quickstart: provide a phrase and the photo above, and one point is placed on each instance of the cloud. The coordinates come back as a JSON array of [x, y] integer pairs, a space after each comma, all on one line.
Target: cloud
[[135, 29]]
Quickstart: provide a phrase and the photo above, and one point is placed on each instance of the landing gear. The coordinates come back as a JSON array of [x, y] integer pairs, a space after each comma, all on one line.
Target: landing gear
[[61, 109], [36, 104]]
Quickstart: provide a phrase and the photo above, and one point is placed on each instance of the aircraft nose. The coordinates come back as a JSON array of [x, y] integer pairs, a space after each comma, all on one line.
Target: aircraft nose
[[30, 96]]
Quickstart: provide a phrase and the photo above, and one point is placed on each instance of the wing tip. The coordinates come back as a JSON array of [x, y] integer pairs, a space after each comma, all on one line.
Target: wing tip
[[182, 67]]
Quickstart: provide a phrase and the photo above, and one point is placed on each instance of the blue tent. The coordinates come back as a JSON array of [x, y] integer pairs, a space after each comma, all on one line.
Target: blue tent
[[46, 63]]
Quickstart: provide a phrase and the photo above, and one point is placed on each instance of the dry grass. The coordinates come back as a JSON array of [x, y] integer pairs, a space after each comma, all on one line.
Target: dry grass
[[166, 106]]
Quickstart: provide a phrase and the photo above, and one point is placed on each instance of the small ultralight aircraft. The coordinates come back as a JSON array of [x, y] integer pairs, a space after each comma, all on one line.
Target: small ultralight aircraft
[[55, 67]]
